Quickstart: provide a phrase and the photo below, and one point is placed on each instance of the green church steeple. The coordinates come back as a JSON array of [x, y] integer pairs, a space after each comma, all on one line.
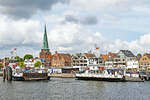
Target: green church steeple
[[45, 39]]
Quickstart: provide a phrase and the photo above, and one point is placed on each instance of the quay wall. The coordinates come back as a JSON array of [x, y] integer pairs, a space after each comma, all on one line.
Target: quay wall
[[1, 73], [63, 75]]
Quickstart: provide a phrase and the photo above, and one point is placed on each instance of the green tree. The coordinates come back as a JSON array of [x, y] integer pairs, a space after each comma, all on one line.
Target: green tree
[[6, 58], [28, 56], [21, 64], [139, 56], [1, 65], [19, 59], [37, 64]]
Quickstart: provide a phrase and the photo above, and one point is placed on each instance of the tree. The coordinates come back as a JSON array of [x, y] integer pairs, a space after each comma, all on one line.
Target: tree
[[1, 65], [139, 56], [18, 59], [21, 64], [37, 64], [28, 56], [6, 58]]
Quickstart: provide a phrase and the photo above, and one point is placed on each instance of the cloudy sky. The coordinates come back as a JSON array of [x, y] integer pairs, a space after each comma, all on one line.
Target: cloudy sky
[[74, 25]]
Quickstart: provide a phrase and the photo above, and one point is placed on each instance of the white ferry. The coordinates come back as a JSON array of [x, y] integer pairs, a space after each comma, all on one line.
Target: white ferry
[[101, 75], [17, 74]]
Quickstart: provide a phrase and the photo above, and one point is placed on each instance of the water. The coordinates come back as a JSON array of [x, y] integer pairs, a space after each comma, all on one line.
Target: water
[[71, 89]]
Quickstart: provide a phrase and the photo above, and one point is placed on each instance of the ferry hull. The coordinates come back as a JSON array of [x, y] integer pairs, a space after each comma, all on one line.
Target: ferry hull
[[35, 76], [31, 77], [17, 78], [102, 79]]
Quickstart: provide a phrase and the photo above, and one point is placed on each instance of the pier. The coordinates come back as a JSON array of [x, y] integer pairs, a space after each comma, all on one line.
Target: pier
[[7, 73], [145, 75]]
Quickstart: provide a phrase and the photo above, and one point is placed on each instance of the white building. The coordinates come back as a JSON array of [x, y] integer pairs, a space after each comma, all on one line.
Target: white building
[[30, 62], [123, 57], [133, 64], [82, 60], [109, 64]]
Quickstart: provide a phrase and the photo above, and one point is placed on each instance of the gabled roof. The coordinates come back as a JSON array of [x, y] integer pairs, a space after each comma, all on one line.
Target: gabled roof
[[112, 55], [66, 57], [127, 53], [89, 55], [148, 55], [104, 56], [78, 54]]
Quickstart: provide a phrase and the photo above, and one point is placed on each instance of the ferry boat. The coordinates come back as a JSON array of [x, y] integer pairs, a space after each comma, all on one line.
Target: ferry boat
[[101, 75], [17, 74], [29, 74]]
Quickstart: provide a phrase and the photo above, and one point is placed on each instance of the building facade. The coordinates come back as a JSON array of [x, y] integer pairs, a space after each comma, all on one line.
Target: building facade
[[109, 62], [123, 56], [61, 60], [82, 60], [30, 62], [144, 62], [132, 64]]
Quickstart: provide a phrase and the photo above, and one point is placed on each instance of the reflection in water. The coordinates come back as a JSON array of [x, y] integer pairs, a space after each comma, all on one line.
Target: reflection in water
[[71, 89]]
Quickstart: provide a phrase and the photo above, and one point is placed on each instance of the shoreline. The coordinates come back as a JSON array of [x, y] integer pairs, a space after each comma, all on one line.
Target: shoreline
[[63, 75]]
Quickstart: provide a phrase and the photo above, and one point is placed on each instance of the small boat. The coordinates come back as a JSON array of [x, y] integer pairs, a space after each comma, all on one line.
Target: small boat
[[17, 74], [101, 75]]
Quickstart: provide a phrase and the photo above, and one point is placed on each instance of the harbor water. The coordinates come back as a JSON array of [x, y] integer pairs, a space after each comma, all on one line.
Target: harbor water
[[71, 89]]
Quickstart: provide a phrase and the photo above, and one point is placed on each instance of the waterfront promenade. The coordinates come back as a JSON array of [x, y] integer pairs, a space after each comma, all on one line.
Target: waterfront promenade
[[71, 89]]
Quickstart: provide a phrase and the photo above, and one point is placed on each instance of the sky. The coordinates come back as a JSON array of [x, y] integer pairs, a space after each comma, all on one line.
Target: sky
[[74, 26]]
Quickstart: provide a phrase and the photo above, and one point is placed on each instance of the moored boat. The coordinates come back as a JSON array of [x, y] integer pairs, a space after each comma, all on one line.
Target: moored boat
[[101, 75], [30, 74]]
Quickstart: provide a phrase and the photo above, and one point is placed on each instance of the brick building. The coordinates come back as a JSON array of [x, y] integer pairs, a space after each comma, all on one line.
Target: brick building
[[61, 60]]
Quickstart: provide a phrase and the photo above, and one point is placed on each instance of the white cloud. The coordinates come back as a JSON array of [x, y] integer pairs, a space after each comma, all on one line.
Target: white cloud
[[54, 18], [103, 5], [20, 32], [145, 39], [74, 37], [71, 37], [64, 37], [94, 4]]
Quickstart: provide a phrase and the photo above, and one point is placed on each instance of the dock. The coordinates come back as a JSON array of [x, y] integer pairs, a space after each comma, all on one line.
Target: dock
[[145, 75], [63, 75], [133, 79], [1, 73]]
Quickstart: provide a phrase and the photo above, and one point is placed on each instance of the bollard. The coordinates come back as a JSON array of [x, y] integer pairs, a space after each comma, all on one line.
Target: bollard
[[9, 73], [4, 74]]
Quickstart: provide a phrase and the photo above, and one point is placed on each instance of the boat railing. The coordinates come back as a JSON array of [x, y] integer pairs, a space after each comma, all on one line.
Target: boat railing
[[35, 75]]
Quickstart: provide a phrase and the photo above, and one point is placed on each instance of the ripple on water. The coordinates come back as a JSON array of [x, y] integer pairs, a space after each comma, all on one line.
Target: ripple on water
[[71, 89]]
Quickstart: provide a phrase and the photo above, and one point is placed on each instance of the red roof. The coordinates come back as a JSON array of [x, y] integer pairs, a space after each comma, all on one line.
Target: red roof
[[104, 56]]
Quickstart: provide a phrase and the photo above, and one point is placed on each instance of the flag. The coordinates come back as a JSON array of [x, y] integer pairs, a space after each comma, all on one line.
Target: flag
[[97, 48], [15, 49]]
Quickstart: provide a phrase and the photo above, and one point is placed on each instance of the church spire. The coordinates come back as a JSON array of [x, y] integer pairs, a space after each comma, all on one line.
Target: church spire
[[45, 39]]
